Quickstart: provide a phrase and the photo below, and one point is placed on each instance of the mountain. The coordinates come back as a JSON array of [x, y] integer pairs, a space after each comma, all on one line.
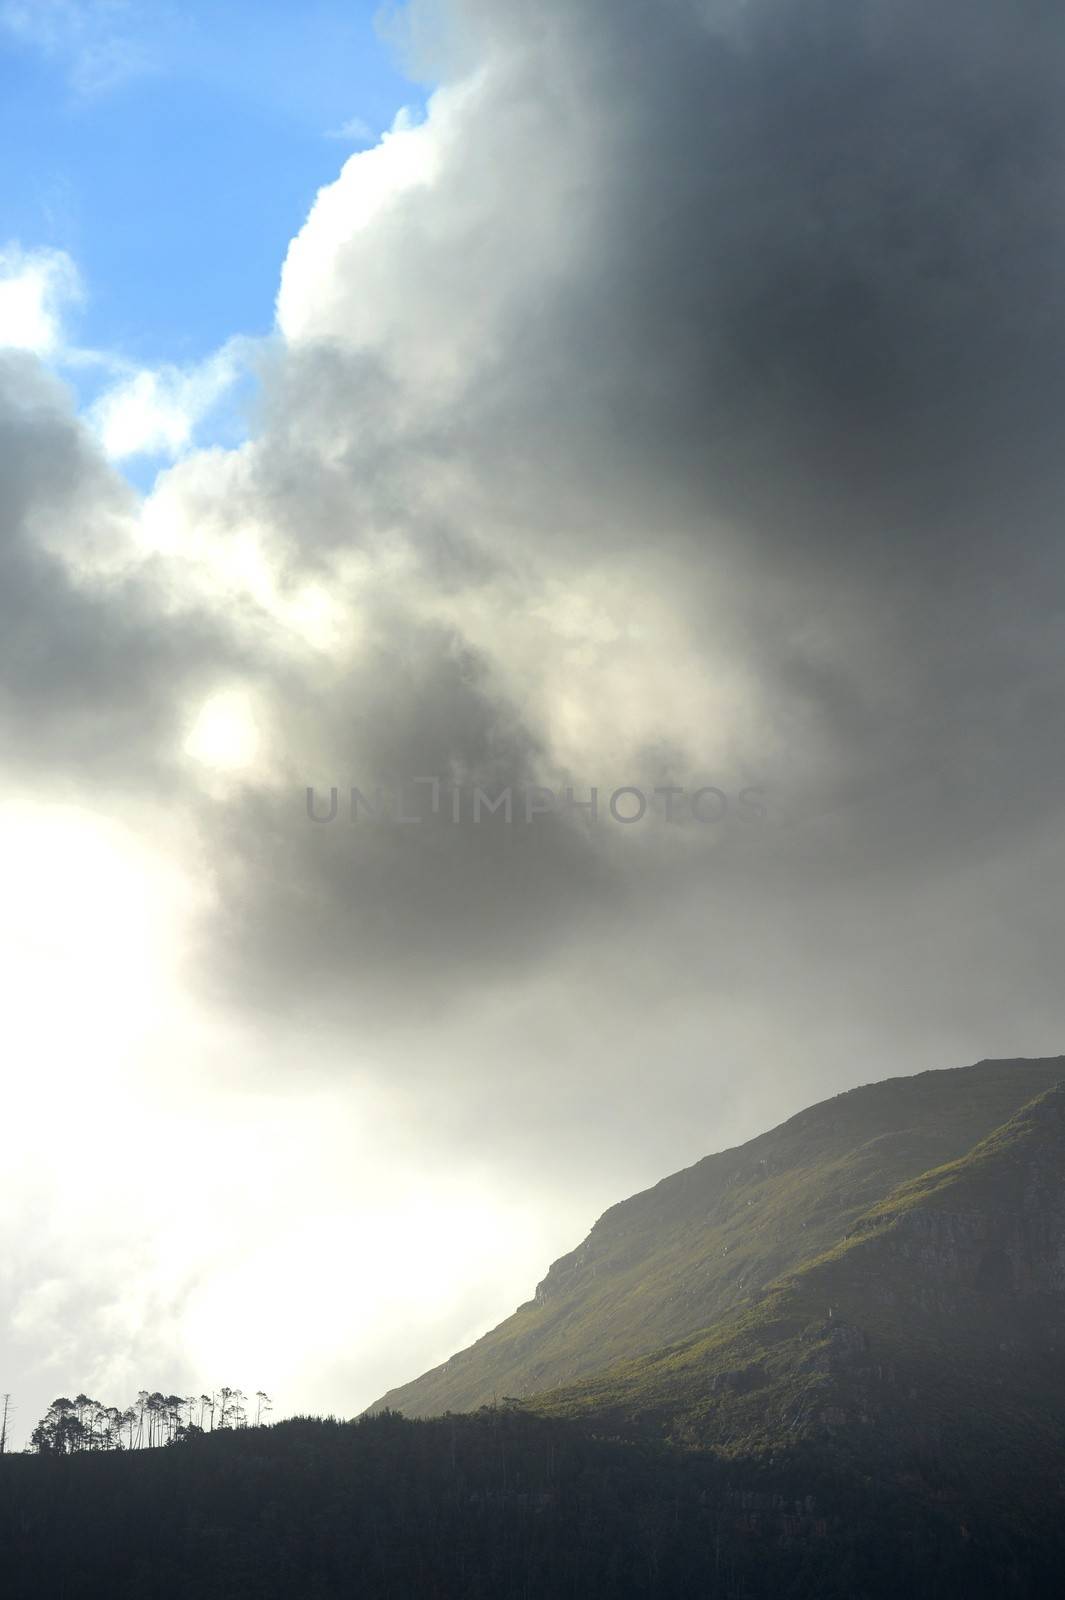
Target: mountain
[[825, 1366], [696, 1257]]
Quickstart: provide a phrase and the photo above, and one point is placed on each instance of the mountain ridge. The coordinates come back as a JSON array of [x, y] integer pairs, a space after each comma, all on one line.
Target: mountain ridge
[[704, 1243]]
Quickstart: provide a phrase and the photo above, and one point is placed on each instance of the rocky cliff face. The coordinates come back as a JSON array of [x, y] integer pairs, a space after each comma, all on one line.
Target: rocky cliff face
[[1000, 1229], [941, 1315], [985, 1233]]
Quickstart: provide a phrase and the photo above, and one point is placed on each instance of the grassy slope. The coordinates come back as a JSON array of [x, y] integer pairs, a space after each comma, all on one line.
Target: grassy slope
[[706, 1242], [934, 1330]]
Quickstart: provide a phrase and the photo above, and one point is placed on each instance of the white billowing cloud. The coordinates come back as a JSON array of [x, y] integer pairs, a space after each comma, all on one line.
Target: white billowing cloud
[[36, 288], [407, 157], [404, 255], [156, 412]]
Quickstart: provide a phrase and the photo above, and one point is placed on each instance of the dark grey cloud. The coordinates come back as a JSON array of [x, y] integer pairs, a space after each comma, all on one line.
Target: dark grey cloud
[[368, 915], [827, 337], [796, 366]]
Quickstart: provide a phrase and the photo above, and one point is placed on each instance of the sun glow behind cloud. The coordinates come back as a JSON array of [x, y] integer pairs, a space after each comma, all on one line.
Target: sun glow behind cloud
[[225, 734], [162, 1196], [368, 1265]]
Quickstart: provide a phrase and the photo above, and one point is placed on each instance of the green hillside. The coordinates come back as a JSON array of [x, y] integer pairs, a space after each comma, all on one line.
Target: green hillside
[[699, 1249], [933, 1330]]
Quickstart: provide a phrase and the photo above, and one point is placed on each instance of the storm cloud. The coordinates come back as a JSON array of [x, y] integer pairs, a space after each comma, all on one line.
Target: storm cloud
[[688, 385]]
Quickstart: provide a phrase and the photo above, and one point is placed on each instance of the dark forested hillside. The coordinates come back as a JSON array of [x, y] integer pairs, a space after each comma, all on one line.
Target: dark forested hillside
[[496, 1506]]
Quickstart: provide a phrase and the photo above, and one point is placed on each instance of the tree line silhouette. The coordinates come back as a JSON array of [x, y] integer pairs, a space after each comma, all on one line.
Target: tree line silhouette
[[154, 1419]]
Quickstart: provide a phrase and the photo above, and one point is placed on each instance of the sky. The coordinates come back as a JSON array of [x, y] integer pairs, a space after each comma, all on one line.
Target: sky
[[663, 400], [132, 132]]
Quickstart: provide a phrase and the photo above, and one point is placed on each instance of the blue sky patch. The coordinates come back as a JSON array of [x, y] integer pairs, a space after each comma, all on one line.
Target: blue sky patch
[[173, 151]]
